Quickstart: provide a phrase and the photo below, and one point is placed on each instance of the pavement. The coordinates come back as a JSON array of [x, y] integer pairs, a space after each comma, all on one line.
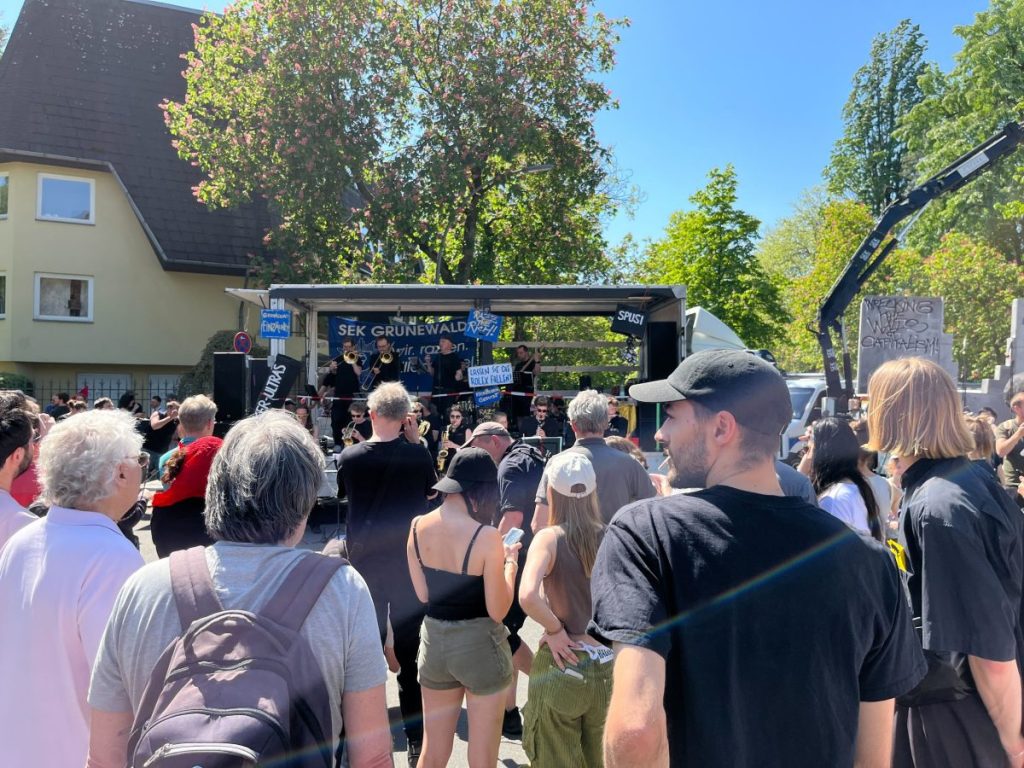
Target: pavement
[[511, 753]]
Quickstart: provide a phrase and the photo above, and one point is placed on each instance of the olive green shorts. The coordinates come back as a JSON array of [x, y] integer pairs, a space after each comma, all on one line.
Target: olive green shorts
[[471, 654]]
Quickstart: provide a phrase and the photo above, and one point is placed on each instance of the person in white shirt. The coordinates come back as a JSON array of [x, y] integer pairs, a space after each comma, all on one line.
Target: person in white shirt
[[832, 462], [16, 435], [58, 580]]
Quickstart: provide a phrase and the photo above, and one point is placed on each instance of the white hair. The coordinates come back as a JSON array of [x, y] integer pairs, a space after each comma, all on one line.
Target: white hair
[[389, 401], [79, 457], [588, 412]]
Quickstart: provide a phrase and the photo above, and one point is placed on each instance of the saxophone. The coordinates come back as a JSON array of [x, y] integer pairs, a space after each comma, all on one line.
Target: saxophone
[[442, 454]]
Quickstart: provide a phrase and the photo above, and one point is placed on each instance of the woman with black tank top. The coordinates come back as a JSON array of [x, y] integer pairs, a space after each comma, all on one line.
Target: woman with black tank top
[[466, 576], [571, 676]]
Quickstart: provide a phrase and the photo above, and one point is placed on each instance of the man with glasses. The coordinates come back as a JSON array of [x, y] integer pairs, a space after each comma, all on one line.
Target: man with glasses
[[58, 580], [1010, 440], [541, 423], [362, 429]]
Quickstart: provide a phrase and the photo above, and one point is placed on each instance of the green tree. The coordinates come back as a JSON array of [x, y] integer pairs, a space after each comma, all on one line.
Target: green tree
[[868, 161], [710, 250], [983, 91], [979, 286], [787, 250], [833, 241], [406, 135]]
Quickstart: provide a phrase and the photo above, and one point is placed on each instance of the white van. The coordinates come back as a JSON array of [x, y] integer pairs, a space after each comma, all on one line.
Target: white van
[[806, 391]]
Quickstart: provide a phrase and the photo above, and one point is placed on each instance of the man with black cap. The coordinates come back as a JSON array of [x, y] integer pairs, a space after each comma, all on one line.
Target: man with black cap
[[750, 628]]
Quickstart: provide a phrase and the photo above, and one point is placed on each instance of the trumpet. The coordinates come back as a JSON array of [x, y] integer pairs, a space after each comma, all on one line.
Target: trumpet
[[347, 434], [442, 454], [351, 357]]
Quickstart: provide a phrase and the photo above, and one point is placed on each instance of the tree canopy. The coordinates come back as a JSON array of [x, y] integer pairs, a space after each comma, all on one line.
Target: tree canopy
[[960, 109], [868, 162], [710, 250], [413, 136]]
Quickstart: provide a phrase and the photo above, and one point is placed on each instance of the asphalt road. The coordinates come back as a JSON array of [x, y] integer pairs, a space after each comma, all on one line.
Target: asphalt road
[[511, 753]]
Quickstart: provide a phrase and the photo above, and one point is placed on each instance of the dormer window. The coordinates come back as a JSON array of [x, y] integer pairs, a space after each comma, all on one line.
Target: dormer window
[[70, 199], [5, 182]]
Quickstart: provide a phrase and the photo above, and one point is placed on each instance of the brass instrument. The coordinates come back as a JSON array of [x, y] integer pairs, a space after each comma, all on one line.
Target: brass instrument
[[424, 427], [387, 357], [442, 454], [347, 434], [351, 357]]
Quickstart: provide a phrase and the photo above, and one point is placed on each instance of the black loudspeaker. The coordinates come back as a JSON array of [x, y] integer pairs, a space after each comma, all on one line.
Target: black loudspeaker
[[585, 382], [258, 372], [662, 350], [229, 385]]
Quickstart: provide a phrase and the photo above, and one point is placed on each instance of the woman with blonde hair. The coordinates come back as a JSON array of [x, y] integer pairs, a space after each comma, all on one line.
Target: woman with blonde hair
[[962, 535], [571, 676]]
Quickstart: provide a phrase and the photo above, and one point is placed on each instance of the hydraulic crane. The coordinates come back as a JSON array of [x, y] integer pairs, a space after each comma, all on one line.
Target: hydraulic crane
[[871, 253]]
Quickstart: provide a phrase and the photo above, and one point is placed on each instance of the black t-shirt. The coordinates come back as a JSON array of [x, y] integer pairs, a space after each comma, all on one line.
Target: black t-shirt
[[387, 485], [59, 410], [344, 381], [774, 618], [963, 534], [363, 427], [519, 475], [388, 371], [159, 440], [618, 426], [445, 367], [528, 427]]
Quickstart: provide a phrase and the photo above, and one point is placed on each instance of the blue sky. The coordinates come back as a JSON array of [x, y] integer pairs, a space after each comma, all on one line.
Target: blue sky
[[759, 85]]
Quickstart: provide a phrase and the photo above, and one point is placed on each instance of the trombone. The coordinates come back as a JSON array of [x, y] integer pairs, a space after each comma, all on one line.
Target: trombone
[[352, 358]]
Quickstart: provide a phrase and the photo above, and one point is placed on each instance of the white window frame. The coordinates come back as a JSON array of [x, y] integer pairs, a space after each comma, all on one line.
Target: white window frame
[[82, 180], [7, 176], [37, 315], [3, 314]]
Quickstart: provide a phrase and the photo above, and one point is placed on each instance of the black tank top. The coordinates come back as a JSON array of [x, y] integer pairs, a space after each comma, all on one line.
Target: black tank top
[[453, 596]]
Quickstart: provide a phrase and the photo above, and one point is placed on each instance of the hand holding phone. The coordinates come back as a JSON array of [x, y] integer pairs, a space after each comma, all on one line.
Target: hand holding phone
[[513, 536]]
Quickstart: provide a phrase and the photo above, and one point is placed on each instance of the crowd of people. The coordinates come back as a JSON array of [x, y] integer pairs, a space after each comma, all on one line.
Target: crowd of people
[[736, 611]]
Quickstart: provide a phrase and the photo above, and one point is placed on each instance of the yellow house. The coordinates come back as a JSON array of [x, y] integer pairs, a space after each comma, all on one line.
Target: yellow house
[[112, 275]]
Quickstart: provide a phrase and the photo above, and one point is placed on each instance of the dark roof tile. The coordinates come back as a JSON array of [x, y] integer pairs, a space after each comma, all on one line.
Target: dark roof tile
[[84, 79]]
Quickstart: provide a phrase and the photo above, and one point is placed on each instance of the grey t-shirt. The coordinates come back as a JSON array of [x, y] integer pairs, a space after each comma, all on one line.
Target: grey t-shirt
[[341, 629], [621, 479], [795, 484]]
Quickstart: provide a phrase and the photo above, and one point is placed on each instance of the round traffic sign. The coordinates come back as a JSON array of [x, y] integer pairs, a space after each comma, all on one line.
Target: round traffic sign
[[242, 342]]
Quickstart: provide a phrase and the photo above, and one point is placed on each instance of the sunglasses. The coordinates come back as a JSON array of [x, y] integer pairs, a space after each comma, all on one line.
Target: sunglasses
[[455, 416], [542, 410], [142, 459], [358, 415]]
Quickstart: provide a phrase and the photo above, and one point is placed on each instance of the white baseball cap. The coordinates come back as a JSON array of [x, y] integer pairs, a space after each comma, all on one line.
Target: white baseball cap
[[571, 474]]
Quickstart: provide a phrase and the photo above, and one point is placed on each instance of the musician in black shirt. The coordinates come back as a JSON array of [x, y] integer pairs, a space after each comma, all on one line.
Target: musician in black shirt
[[384, 365], [525, 370], [342, 383], [542, 423], [446, 370]]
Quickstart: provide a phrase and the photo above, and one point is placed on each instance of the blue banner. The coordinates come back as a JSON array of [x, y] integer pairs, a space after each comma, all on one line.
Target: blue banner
[[488, 396], [413, 342], [484, 325]]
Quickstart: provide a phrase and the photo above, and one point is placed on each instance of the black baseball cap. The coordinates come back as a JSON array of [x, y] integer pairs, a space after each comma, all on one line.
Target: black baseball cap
[[746, 386], [471, 466]]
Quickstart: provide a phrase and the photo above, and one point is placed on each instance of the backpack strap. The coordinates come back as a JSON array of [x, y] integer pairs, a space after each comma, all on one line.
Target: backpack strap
[[297, 595], [192, 586]]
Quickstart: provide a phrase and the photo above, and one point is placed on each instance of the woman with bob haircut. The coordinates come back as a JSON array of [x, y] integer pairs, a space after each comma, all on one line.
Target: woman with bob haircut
[[832, 462], [571, 677], [962, 535], [465, 574]]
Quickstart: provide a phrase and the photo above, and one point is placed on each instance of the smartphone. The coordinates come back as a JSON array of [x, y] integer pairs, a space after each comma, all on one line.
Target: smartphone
[[513, 536]]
